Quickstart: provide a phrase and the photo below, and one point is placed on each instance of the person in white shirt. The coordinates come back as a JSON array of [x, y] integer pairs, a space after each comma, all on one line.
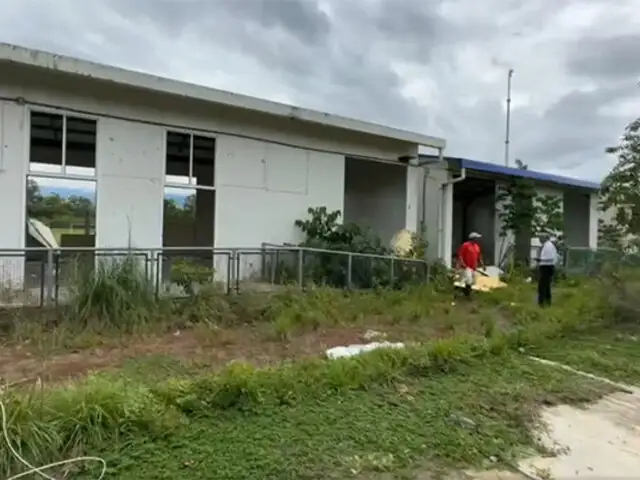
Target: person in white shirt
[[546, 269]]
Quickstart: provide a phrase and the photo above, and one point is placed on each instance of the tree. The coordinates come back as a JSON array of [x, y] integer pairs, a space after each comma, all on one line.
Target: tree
[[56, 211], [620, 192], [517, 213], [34, 196], [524, 213], [175, 211], [548, 214]]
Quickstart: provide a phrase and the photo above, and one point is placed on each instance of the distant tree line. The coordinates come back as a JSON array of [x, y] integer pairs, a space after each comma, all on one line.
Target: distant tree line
[[57, 211]]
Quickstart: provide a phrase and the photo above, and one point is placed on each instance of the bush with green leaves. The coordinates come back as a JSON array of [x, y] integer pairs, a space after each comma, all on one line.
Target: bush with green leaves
[[374, 269]]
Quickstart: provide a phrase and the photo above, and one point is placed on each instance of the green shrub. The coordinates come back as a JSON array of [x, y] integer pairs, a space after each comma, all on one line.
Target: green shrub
[[323, 230]]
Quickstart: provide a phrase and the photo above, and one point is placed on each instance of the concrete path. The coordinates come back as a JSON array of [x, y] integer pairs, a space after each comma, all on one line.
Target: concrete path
[[602, 440]]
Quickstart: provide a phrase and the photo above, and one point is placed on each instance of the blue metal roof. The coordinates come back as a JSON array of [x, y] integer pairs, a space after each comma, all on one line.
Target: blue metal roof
[[518, 172]]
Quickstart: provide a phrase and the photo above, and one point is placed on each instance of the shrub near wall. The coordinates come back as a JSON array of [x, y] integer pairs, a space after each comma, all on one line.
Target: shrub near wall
[[323, 230]]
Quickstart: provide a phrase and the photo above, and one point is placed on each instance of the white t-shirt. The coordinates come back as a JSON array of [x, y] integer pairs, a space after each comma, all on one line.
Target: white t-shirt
[[548, 254]]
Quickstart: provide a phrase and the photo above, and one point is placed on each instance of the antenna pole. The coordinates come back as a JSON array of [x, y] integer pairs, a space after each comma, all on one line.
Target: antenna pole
[[508, 125]]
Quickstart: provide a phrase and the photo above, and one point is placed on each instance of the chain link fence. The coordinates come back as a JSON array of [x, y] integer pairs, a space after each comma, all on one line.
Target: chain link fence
[[588, 261], [39, 276]]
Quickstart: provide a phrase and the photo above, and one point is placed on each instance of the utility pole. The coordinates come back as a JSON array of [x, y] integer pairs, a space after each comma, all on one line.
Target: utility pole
[[508, 126]]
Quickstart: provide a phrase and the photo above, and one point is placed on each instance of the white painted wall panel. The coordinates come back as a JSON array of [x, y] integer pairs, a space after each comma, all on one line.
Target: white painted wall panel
[[13, 168], [287, 169], [247, 216], [130, 170], [241, 155], [432, 205]]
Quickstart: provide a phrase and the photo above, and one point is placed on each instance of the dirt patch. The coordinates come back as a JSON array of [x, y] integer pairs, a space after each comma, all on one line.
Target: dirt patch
[[213, 348]]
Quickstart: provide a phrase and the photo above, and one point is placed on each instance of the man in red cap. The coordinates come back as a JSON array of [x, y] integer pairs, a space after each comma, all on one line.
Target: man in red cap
[[469, 259]]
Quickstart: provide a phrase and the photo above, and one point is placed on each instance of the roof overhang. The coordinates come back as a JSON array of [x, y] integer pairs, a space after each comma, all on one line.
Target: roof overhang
[[13, 54], [500, 171]]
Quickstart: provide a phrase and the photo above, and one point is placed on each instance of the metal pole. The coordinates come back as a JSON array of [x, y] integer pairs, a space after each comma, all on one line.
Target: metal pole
[[508, 126], [50, 279]]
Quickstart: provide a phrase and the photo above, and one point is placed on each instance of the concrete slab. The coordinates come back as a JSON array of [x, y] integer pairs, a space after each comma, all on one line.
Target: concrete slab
[[600, 441]]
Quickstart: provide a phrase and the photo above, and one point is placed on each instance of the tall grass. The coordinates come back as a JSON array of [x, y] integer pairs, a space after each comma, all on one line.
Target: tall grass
[[115, 293], [60, 422]]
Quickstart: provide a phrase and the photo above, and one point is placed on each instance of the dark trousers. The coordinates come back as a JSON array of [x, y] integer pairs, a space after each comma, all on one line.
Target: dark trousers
[[545, 277]]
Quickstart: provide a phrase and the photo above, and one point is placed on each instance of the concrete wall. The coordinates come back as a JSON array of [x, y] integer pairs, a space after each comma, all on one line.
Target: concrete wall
[[263, 188], [376, 195], [432, 198], [577, 206], [13, 169], [130, 189]]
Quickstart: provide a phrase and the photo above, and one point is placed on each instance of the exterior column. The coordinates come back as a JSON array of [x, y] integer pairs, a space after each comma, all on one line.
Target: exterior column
[[594, 216], [14, 163], [411, 203], [446, 238]]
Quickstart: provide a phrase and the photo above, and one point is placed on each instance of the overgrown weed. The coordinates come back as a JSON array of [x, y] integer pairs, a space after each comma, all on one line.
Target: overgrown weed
[[113, 293]]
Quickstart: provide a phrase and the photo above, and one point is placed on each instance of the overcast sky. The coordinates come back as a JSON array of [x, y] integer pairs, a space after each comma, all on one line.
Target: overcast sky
[[433, 66]]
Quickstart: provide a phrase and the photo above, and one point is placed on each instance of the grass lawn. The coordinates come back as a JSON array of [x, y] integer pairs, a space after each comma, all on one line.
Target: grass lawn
[[478, 416], [613, 353]]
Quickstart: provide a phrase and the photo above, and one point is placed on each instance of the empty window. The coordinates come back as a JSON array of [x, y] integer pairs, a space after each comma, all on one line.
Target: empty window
[[62, 144], [189, 201], [190, 160]]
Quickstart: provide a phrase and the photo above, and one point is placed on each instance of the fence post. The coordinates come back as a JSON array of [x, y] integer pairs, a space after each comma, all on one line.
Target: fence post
[[349, 270], [300, 267], [49, 277], [391, 272]]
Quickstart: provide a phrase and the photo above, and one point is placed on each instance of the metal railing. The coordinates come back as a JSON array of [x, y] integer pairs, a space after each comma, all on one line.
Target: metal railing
[[589, 261], [41, 276]]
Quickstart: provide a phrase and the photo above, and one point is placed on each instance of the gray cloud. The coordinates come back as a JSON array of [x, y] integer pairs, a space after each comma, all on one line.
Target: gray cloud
[[613, 58], [437, 67]]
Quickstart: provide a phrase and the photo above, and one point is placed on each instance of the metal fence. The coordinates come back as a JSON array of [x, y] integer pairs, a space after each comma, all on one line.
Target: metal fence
[[588, 261], [39, 276]]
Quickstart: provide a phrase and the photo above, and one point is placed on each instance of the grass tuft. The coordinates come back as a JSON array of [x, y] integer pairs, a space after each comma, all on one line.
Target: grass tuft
[[115, 293]]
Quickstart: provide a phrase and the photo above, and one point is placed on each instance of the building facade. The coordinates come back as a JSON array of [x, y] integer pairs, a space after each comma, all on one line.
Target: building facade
[[460, 196], [249, 167]]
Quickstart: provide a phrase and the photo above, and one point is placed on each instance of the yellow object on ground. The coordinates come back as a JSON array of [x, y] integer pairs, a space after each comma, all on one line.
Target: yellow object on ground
[[482, 283]]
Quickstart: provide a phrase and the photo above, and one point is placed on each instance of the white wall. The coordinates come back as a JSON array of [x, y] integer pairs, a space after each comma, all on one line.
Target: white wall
[[262, 188], [434, 196], [13, 188], [130, 189], [268, 170], [412, 201]]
